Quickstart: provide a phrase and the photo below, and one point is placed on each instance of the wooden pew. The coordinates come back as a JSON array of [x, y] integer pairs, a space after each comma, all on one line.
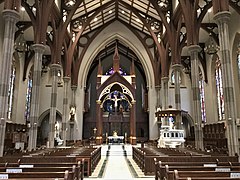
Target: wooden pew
[[66, 175], [74, 173], [145, 159], [89, 156], [149, 168], [197, 175], [167, 172]]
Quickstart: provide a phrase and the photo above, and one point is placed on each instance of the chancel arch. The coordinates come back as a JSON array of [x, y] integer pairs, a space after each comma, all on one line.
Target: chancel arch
[[109, 34]]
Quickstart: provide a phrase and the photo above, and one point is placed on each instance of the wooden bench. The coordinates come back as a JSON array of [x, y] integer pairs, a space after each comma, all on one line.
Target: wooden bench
[[149, 168], [66, 175], [74, 173], [196, 175], [89, 156], [166, 171]]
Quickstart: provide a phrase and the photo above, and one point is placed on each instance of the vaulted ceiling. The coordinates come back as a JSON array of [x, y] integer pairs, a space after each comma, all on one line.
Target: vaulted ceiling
[[147, 18]]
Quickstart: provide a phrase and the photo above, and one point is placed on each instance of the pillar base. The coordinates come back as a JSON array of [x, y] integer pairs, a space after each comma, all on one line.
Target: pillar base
[[133, 140]]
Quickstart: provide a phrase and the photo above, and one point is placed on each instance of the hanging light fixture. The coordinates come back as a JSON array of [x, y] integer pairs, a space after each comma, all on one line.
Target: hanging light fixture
[[70, 3], [211, 46], [20, 44]]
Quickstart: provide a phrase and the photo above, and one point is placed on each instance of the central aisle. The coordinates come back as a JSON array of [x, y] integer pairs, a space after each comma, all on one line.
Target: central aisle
[[117, 164]]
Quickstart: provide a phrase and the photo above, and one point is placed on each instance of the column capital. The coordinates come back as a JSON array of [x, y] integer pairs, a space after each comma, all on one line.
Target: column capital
[[165, 79], [73, 87], [55, 66], [9, 14], [158, 87], [194, 48], [66, 79], [222, 17], [39, 48], [177, 66]]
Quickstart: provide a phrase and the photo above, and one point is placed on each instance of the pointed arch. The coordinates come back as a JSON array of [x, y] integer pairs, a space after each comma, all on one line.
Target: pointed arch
[[102, 40]]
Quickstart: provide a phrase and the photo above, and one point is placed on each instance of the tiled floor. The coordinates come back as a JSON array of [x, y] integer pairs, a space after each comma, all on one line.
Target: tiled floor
[[117, 164]]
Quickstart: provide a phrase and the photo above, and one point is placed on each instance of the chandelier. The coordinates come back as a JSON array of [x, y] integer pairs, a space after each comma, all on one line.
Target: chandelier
[[20, 44], [69, 3], [211, 46]]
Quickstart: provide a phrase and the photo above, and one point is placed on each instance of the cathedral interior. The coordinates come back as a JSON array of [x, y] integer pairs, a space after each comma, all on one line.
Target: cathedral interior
[[94, 72]]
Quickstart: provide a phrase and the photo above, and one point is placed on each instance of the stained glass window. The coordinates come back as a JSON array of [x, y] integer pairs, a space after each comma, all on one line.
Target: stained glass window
[[116, 102], [238, 62], [219, 89], [121, 71], [202, 101], [11, 88], [28, 96]]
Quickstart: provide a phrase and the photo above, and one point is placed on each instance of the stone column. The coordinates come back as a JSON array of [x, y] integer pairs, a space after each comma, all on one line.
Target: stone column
[[73, 107], [158, 91], [99, 122], [65, 115], [10, 17], [197, 115], [34, 109], [164, 81], [222, 19], [133, 139], [53, 107], [177, 71]]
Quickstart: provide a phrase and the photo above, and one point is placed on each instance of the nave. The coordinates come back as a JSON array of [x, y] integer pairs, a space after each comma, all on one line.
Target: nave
[[117, 163]]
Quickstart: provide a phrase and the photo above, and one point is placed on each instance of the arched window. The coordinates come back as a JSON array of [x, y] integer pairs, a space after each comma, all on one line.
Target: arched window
[[28, 95], [219, 89], [238, 62], [121, 71], [202, 101], [11, 88]]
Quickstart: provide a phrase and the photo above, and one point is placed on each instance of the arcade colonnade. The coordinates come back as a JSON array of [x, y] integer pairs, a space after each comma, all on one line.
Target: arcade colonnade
[[46, 93]]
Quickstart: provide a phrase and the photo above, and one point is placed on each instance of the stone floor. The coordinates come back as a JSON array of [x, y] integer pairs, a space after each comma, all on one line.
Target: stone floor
[[117, 164]]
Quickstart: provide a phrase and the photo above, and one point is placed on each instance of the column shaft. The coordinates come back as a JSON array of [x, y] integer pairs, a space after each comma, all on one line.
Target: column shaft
[[222, 19], [133, 140], [53, 109], [99, 122], [165, 99], [197, 114], [34, 109], [73, 107], [10, 19], [65, 115], [177, 71]]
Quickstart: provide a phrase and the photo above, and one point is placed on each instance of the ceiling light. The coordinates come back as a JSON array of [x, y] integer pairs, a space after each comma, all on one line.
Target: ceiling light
[[123, 11], [211, 46], [71, 3], [34, 9], [95, 19], [110, 11], [161, 4], [20, 44]]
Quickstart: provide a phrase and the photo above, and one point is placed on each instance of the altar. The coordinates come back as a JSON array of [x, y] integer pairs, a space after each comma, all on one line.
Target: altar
[[115, 139]]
